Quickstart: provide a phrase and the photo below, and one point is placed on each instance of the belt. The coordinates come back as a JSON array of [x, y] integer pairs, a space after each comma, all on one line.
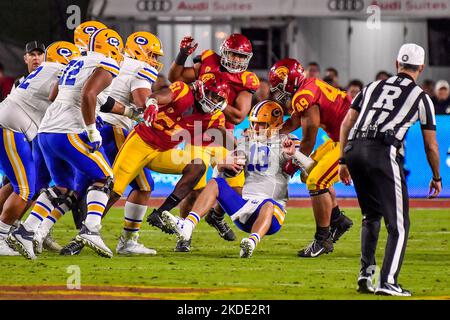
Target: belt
[[388, 140]]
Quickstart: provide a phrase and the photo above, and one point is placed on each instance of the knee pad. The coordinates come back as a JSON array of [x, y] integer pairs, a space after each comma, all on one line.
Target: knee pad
[[58, 198], [107, 187], [314, 193]]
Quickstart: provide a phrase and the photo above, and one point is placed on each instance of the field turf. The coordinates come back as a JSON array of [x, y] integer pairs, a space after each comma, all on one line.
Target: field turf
[[213, 269]]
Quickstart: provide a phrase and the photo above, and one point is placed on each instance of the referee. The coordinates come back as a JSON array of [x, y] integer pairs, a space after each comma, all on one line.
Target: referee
[[374, 128]]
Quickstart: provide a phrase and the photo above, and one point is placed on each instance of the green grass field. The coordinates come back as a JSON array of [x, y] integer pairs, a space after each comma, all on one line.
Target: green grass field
[[274, 271]]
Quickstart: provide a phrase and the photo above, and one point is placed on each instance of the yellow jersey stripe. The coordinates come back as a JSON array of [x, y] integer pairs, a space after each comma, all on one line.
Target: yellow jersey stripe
[[112, 70], [119, 137], [184, 92], [148, 74], [16, 163], [96, 156]]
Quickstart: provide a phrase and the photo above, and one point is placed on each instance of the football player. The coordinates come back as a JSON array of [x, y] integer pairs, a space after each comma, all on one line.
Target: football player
[[262, 155], [20, 116], [232, 63], [315, 104], [83, 33], [184, 112], [69, 138], [130, 88]]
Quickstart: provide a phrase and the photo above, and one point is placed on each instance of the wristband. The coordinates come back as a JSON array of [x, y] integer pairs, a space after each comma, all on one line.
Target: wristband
[[108, 105], [91, 127], [342, 160], [181, 58], [437, 179]]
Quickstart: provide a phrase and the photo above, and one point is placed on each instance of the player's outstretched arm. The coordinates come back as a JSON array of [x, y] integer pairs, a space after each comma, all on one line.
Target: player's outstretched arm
[[178, 72], [291, 124], [310, 121]]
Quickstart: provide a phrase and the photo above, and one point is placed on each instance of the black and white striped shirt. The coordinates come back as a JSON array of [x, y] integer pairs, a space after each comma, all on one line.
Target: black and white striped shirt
[[393, 104]]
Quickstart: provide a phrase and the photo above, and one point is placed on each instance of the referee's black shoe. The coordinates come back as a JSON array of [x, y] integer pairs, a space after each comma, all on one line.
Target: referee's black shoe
[[316, 248], [340, 226], [387, 289], [365, 280]]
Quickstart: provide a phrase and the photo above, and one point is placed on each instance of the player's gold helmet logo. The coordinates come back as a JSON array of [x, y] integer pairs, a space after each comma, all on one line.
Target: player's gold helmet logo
[[282, 72], [207, 76]]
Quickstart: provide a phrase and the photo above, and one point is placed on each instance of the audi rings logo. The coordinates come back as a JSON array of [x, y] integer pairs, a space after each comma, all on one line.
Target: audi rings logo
[[65, 52], [154, 5], [346, 5]]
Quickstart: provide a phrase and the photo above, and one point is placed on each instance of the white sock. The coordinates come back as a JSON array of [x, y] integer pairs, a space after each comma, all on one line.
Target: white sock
[[134, 213], [96, 204], [40, 211], [53, 217], [4, 230]]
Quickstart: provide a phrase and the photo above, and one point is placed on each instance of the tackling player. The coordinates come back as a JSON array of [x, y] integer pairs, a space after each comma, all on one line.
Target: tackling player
[[262, 155], [69, 139], [185, 111], [315, 104], [231, 64], [20, 116]]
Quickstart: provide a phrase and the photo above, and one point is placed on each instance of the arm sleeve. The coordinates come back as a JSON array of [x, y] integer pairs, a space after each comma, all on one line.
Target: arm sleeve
[[109, 66], [138, 83], [148, 74], [302, 100], [250, 82], [426, 113]]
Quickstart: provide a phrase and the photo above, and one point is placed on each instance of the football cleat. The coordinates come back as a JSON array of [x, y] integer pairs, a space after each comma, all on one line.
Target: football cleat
[[50, 244], [38, 241], [340, 226], [183, 246], [366, 279], [93, 240], [316, 248], [247, 247], [72, 248], [182, 228], [387, 289], [155, 219], [221, 226], [6, 250], [132, 247], [22, 241]]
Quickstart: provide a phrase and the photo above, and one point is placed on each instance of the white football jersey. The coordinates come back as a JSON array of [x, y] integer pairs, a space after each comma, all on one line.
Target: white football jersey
[[64, 114], [24, 108], [264, 175], [134, 74]]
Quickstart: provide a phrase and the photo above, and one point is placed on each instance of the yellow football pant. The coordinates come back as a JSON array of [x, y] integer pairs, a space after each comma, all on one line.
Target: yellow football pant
[[325, 173]]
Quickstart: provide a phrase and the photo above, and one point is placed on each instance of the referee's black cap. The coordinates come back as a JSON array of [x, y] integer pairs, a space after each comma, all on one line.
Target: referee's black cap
[[34, 45]]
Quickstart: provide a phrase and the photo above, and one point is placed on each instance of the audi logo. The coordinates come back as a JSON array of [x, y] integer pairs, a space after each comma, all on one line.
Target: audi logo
[[346, 5], [154, 5]]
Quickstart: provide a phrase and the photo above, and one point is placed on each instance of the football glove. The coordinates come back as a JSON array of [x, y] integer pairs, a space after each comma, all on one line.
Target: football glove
[[133, 114], [94, 137], [188, 45], [151, 111]]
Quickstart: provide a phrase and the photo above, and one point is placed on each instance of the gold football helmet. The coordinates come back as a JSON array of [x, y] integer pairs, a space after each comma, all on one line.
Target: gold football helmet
[[61, 52], [83, 32], [267, 113], [107, 42], [144, 46]]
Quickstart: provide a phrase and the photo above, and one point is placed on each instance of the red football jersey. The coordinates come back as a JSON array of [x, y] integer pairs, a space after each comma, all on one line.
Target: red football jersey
[[241, 81], [168, 130], [198, 124], [333, 104]]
